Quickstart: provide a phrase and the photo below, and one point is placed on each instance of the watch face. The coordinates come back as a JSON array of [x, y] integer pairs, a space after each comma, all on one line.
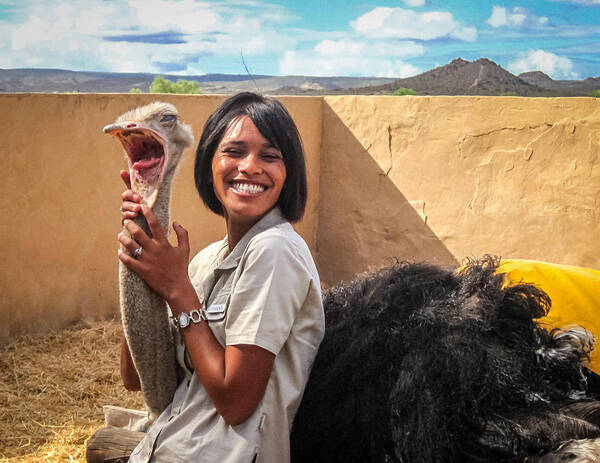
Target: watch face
[[184, 320]]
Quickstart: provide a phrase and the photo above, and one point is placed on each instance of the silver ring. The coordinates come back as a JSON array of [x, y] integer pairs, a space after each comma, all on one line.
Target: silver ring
[[138, 251]]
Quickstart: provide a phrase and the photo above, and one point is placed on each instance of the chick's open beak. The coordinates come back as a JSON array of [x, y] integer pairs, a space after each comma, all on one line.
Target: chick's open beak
[[146, 155]]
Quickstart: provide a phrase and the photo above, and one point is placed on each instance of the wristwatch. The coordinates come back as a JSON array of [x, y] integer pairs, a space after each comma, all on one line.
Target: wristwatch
[[184, 319]]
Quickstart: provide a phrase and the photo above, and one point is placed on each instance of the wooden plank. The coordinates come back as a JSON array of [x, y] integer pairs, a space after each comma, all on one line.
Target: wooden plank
[[112, 445]]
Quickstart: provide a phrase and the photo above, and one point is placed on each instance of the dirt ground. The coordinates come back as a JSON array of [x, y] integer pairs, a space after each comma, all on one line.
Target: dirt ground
[[52, 390]]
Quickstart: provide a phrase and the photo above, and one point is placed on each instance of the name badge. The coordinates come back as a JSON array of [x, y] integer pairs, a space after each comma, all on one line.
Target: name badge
[[216, 308]]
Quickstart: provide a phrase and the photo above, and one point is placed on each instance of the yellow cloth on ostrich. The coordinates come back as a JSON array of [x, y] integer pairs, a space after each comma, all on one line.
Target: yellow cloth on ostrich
[[574, 291]]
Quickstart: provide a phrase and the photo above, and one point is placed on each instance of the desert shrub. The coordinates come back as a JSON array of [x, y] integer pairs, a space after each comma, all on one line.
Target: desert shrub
[[162, 85], [404, 91], [135, 90]]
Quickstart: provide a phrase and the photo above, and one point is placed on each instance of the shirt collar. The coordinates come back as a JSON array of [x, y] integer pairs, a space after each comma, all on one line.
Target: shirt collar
[[272, 218]]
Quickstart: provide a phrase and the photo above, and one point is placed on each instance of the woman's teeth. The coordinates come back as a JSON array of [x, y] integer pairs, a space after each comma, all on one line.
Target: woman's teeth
[[251, 188]]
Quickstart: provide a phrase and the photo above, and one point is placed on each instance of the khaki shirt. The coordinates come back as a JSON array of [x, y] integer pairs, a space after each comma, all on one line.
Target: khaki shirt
[[266, 292]]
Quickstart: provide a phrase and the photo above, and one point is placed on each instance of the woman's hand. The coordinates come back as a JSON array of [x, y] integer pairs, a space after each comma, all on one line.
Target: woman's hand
[[131, 200], [162, 266]]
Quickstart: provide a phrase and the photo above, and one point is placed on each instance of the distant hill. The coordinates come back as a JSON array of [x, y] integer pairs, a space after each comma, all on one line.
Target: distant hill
[[459, 77], [484, 77], [537, 78], [294, 85], [565, 87], [56, 80]]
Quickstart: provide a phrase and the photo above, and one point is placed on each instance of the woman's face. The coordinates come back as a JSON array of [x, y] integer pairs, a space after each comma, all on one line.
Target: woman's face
[[248, 172]]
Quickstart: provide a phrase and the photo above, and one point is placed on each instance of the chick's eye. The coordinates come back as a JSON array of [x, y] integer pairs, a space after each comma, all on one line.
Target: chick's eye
[[168, 118]]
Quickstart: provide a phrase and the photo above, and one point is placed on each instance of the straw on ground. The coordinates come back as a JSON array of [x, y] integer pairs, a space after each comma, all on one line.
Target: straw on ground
[[52, 390]]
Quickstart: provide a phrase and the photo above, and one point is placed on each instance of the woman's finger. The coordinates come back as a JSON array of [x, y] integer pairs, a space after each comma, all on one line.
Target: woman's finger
[[138, 234], [126, 215], [126, 178], [130, 208], [132, 196], [129, 261], [129, 211], [129, 244], [183, 241], [157, 232]]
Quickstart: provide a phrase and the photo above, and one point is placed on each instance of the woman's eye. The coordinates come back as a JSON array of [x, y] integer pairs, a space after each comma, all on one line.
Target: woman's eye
[[271, 156]]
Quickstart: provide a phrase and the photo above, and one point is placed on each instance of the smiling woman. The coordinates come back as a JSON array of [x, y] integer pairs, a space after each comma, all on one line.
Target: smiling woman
[[248, 311], [280, 137], [248, 173]]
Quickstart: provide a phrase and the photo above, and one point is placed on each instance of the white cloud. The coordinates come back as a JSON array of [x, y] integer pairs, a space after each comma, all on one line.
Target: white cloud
[[138, 35], [516, 17], [185, 16], [352, 58], [557, 67], [337, 47], [498, 17], [468, 34], [414, 3], [378, 48], [383, 22]]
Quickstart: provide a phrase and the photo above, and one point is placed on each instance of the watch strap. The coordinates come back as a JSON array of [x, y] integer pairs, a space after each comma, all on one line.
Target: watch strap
[[194, 316]]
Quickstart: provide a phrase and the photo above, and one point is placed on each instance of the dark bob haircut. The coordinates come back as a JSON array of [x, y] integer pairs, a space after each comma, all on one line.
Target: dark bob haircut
[[276, 125]]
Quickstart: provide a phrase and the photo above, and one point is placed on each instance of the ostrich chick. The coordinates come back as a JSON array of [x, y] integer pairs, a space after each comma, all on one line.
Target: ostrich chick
[[154, 139]]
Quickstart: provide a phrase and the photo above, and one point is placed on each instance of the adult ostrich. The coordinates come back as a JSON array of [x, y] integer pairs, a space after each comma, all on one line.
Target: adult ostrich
[[420, 364], [154, 139]]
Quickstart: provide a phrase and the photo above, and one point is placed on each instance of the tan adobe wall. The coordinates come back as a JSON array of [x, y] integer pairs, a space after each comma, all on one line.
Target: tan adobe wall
[[447, 178], [60, 202], [436, 178]]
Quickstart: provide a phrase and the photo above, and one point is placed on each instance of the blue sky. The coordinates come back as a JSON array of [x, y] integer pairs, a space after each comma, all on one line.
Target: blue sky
[[308, 37]]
